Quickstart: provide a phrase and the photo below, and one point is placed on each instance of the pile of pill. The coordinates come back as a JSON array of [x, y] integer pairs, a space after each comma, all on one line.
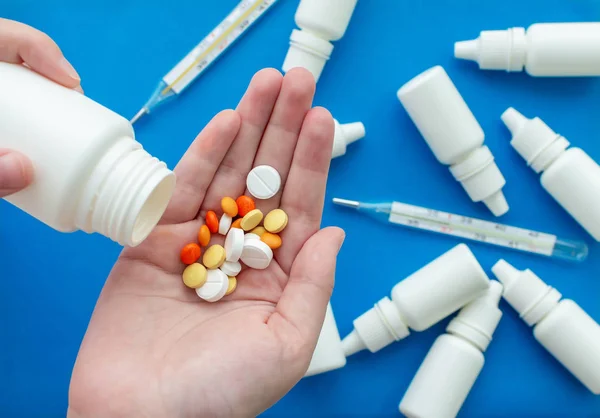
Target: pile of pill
[[250, 238]]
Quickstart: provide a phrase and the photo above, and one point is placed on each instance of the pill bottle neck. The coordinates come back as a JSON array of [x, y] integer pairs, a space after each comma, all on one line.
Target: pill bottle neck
[[125, 194]]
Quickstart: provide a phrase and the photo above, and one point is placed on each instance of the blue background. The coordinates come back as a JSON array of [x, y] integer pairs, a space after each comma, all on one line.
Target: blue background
[[50, 281]]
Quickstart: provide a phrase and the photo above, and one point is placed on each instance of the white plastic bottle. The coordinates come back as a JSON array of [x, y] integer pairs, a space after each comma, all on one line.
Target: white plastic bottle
[[570, 176], [421, 300], [321, 21], [563, 328], [345, 134], [329, 354], [455, 360], [454, 135], [544, 50], [90, 173]]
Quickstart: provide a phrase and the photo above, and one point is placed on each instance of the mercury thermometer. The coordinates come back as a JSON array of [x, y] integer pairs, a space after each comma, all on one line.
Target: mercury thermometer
[[472, 229]]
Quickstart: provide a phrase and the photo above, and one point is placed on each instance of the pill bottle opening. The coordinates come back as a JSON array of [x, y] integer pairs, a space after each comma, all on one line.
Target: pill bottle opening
[[152, 210]]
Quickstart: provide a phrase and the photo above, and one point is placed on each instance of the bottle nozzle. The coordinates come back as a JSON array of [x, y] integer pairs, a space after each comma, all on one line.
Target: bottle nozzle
[[497, 203], [352, 344], [505, 273], [467, 50], [494, 292], [353, 132], [513, 120]]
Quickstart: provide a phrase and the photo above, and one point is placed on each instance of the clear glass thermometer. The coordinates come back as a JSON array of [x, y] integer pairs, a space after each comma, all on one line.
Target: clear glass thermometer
[[472, 229], [206, 52]]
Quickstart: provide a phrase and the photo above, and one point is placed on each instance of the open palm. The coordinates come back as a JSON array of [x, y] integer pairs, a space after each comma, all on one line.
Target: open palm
[[153, 348]]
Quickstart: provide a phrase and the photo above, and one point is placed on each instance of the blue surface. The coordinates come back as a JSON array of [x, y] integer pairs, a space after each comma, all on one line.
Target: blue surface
[[50, 281]]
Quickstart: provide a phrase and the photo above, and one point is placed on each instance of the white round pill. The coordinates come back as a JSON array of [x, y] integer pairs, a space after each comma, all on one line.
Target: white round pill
[[231, 268], [263, 182], [234, 244], [215, 287], [256, 254], [251, 236], [225, 224]]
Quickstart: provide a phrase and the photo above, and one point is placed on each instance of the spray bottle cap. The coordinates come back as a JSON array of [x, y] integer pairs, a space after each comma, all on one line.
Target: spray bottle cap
[[307, 51], [533, 139], [495, 49], [328, 354], [345, 134], [526, 292], [478, 320]]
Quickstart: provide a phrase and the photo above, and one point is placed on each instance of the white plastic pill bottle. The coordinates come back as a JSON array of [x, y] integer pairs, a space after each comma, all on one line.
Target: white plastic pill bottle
[[561, 326], [90, 173], [543, 50], [321, 21], [570, 175]]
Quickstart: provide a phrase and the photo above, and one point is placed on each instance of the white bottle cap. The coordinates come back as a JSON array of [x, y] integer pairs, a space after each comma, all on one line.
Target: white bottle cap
[[376, 328], [478, 320], [328, 354], [526, 292], [533, 139], [307, 51], [345, 135], [454, 135], [495, 49]]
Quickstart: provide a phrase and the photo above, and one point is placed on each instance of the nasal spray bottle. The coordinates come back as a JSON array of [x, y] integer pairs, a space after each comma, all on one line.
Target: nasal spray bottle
[[455, 360], [90, 173], [321, 21], [570, 176], [561, 326], [421, 300], [346, 134], [454, 136], [544, 50]]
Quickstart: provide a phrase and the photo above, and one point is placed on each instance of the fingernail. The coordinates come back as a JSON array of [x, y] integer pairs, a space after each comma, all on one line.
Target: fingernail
[[12, 173], [342, 240], [68, 68], [78, 89]]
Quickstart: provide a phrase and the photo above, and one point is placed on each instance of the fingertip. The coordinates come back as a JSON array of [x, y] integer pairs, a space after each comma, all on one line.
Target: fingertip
[[16, 171], [266, 82], [300, 84]]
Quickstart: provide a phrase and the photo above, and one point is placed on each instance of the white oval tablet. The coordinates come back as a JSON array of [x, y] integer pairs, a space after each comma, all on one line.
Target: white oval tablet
[[256, 254], [225, 224], [263, 182], [215, 287], [251, 236], [231, 268], [234, 244]]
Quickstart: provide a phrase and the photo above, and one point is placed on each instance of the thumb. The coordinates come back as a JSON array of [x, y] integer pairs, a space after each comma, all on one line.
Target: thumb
[[305, 297], [16, 172]]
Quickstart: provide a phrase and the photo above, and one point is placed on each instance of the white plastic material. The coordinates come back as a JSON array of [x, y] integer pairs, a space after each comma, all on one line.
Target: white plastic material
[[321, 21], [256, 254], [90, 173], [328, 354], [234, 244], [454, 136], [248, 237], [225, 224], [231, 268], [421, 300], [570, 176], [263, 182], [345, 135], [455, 360], [215, 287], [563, 328], [545, 49]]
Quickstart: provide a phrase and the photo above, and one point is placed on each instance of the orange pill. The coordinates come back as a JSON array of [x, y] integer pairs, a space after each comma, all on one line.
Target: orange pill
[[245, 204], [212, 222], [190, 253], [237, 223], [204, 236], [229, 206], [272, 240]]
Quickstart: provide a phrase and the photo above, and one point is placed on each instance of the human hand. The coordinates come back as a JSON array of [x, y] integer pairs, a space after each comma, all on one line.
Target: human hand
[[153, 348], [22, 44]]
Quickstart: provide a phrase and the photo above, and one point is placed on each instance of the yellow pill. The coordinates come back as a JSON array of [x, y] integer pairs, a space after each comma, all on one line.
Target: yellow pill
[[251, 220], [194, 276], [272, 240], [232, 286], [229, 206], [259, 230], [276, 221], [214, 257]]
